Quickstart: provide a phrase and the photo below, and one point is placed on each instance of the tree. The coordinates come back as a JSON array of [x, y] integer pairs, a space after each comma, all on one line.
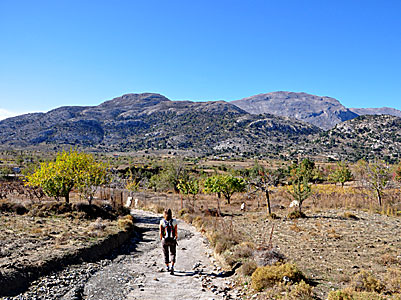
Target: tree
[[261, 178], [70, 169], [397, 172], [92, 175], [226, 185], [341, 174], [170, 176], [376, 174], [189, 187], [300, 177]]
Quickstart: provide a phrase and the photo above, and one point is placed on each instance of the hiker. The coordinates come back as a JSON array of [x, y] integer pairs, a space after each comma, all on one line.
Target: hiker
[[168, 236]]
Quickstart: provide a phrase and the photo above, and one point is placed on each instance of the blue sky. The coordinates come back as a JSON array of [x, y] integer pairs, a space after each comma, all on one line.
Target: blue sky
[[55, 53]]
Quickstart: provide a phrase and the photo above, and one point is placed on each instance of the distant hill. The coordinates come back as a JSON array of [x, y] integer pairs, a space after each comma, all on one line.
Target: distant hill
[[377, 111], [367, 136], [324, 112], [151, 121]]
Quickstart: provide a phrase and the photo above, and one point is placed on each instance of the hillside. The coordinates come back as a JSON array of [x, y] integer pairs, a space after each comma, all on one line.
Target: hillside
[[368, 136], [377, 111], [151, 121], [323, 112]]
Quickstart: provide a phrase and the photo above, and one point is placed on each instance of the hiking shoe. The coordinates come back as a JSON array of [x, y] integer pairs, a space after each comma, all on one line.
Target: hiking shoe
[[167, 269], [172, 271]]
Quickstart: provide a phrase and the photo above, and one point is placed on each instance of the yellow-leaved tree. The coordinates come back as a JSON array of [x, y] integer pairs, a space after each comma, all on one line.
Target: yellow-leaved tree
[[70, 170]]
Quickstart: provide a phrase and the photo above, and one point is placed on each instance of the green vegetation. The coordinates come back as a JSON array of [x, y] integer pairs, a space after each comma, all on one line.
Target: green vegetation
[[341, 174], [226, 185], [301, 174], [69, 170]]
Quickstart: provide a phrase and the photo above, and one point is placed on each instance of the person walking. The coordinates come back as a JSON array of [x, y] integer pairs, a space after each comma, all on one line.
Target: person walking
[[168, 237]]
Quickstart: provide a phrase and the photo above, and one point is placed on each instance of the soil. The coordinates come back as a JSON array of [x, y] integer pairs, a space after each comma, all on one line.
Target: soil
[[329, 247], [26, 240]]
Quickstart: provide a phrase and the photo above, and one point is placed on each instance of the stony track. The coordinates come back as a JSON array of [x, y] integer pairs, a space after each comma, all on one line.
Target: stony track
[[134, 271]]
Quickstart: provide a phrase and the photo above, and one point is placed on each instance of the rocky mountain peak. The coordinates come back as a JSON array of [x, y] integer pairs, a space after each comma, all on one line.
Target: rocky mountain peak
[[134, 100], [324, 112]]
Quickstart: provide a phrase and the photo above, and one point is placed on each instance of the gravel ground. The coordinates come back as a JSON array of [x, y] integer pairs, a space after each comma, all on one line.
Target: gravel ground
[[134, 271]]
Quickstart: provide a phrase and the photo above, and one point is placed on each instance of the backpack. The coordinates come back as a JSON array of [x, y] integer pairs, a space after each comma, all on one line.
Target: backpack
[[169, 230]]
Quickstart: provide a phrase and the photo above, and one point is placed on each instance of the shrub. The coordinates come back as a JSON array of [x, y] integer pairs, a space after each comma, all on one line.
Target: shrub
[[349, 294], [296, 214], [300, 291], [20, 209], [268, 257], [248, 268], [17, 208], [268, 276], [223, 243], [198, 222], [182, 212], [243, 250], [94, 211], [188, 218], [366, 282], [388, 259], [393, 280], [126, 223]]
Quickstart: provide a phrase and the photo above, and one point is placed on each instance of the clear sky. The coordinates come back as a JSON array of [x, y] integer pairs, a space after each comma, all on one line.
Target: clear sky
[[67, 52]]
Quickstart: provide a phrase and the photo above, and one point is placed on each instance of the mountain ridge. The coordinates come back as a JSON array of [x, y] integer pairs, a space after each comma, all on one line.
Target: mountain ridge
[[148, 121]]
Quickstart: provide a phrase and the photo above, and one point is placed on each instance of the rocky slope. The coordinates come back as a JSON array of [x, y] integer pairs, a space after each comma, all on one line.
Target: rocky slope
[[368, 136], [324, 112], [151, 121], [377, 111]]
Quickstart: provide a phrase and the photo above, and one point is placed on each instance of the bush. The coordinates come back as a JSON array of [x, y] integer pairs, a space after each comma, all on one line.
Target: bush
[[126, 223], [269, 276], [366, 282], [198, 222], [300, 291], [17, 208], [182, 212], [248, 268], [393, 280], [243, 250], [94, 211], [349, 294], [296, 214], [268, 257], [223, 243]]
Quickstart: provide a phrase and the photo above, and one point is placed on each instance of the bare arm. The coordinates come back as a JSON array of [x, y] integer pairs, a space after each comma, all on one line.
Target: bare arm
[[176, 232], [161, 232]]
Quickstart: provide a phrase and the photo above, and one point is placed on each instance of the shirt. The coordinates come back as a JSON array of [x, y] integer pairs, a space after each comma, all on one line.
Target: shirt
[[164, 224]]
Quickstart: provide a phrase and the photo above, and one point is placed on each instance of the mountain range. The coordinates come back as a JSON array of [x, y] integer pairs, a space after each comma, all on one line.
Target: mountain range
[[279, 124]]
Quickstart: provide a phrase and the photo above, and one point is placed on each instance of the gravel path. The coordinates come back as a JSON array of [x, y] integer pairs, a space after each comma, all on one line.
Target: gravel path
[[134, 272]]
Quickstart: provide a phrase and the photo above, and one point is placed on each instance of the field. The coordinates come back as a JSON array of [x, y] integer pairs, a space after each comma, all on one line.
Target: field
[[344, 232]]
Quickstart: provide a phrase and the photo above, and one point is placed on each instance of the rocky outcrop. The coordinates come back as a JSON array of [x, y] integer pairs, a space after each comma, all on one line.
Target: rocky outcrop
[[377, 111], [323, 112], [135, 122]]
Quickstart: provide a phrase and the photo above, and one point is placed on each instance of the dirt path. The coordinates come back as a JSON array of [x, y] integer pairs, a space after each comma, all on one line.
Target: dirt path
[[133, 271], [140, 276]]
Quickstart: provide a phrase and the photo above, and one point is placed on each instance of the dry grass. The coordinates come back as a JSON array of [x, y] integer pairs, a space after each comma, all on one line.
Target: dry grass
[[268, 276], [30, 240]]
